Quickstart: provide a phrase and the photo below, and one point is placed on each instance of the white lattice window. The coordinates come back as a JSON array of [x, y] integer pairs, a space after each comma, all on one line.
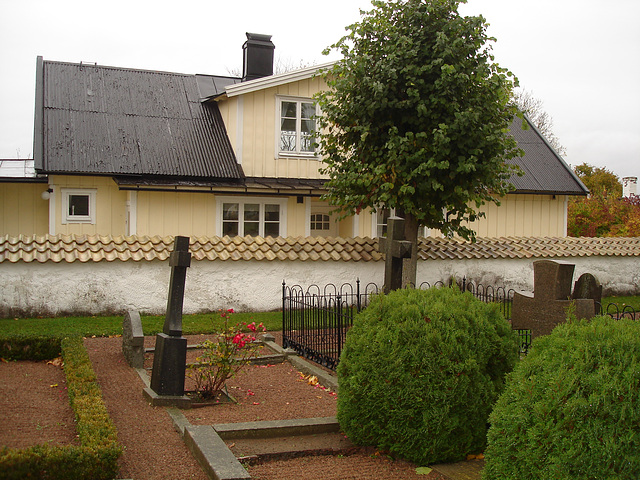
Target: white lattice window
[[251, 216], [296, 127]]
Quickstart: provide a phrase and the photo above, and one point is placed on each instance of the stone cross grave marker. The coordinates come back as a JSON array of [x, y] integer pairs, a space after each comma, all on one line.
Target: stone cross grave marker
[[395, 248], [552, 297], [170, 357]]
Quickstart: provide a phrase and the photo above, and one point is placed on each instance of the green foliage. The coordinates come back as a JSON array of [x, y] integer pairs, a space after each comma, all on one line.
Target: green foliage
[[420, 372], [599, 180], [416, 116], [105, 326], [604, 216], [571, 408], [24, 347], [225, 357], [98, 453]]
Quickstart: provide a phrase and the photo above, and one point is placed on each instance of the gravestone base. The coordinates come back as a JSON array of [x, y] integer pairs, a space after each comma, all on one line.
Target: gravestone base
[[182, 401], [169, 365]]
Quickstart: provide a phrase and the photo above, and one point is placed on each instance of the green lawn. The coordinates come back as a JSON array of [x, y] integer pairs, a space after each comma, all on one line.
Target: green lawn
[[105, 326], [191, 324], [633, 301]]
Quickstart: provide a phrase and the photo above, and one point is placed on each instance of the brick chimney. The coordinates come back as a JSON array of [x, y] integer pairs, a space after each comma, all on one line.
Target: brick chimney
[[257, 56]]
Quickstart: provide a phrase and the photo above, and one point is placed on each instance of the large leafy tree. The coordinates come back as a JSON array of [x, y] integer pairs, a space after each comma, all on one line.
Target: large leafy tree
[[416, 117]]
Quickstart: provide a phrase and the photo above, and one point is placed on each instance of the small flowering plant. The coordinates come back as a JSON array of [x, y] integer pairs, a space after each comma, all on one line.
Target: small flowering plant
[[223, 358]]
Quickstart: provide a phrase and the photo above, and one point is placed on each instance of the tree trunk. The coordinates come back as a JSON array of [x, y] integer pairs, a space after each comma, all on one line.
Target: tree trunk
[[409, 265]]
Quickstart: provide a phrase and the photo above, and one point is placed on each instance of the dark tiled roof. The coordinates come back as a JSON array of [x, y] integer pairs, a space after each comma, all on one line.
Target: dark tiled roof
[[96, 248], [544, 170], [114, 121]]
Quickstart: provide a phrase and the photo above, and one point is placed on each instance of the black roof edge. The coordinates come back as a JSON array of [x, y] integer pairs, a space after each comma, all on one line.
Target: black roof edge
[[550, 192], [36, 179], [559, 157], [38, 134]]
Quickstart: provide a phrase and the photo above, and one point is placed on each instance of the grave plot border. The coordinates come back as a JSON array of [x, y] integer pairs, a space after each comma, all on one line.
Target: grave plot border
[[315, 320]]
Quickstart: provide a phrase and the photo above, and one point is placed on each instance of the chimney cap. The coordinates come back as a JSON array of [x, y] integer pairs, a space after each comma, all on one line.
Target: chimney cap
[[259, 39]]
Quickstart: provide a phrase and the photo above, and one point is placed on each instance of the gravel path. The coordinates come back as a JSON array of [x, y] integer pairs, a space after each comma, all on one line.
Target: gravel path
[[152, 448]]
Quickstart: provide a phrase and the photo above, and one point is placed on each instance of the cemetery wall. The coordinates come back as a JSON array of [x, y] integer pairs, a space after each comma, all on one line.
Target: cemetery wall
[[112, 287]]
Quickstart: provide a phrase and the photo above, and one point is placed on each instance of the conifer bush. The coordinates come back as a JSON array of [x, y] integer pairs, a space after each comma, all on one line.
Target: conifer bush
[[571, 408], [420, 372]]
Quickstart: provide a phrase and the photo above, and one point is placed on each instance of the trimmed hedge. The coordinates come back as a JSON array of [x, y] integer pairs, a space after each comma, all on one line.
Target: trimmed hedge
[[98, 453], [25, 347], [420, 372], [571, 408]]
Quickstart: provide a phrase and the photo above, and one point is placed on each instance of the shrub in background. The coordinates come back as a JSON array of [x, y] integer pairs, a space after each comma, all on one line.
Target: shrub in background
[[571, 408], [420, 372]]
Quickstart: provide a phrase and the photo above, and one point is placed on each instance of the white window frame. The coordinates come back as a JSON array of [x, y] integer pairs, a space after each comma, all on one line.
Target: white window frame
[[375, 225], [241, 201], [70, 218], [297, 153]]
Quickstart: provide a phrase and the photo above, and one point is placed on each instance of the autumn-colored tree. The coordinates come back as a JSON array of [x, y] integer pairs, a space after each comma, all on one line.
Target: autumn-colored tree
[[602, 215], [599, 180]]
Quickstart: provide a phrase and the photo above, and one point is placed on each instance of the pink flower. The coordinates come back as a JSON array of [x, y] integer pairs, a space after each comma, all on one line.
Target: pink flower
[[231, 310], [252, 326]]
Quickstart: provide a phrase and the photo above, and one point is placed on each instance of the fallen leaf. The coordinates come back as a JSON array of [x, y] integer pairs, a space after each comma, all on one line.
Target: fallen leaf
[[4, 360], [423, 470], [54, 385]]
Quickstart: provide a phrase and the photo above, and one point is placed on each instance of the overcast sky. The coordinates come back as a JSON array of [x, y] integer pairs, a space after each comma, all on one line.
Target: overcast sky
[[580, 57]]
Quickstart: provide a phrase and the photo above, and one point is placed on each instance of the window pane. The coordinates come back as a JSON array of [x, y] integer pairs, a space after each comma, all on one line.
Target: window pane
[[252, 228], [230, 228], [252, 212], [271, 229], [230, 211], [289, 109], [79, 205], [308, 110], [307, 143], [272, 213], [307, 126]]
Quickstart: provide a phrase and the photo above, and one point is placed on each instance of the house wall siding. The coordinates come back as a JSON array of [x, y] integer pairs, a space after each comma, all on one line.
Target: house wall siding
[[251, 122], [22, 209], [110, 205]]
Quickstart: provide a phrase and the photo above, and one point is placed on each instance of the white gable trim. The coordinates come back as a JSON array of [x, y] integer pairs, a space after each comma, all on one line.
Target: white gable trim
[[275, 80]]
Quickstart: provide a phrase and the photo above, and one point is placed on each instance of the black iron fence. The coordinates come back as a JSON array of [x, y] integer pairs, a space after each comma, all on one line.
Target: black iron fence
[[315, 321]]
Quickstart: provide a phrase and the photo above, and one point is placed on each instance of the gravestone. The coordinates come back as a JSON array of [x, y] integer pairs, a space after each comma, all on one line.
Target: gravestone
[[552, 297], [133, 339], [170, 357], [587, 286], [395, 248]]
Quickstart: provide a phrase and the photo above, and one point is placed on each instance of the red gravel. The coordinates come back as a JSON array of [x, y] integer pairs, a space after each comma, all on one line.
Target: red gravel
[[35, 412]]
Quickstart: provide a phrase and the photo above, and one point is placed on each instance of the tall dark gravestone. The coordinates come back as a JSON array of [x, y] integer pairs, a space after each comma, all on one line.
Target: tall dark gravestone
[[170, 357], [395, 248]]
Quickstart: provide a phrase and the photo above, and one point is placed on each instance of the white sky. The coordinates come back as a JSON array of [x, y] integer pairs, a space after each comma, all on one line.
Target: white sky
[[580, 57]]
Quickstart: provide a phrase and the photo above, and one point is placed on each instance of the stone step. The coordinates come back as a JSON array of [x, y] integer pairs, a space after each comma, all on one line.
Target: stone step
[[289, 446]]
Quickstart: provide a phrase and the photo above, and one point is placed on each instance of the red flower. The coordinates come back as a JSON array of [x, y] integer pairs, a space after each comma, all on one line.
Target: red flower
[[252, 326]]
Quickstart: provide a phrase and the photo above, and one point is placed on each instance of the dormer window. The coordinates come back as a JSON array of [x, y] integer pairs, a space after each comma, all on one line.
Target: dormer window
[[297, 127]]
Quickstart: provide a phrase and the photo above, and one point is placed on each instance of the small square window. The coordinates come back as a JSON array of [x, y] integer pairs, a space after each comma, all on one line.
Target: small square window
[[78, 206]]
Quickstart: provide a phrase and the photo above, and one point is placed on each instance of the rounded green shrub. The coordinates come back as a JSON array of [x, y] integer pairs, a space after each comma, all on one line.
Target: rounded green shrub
[[571, 408], [420, 372]]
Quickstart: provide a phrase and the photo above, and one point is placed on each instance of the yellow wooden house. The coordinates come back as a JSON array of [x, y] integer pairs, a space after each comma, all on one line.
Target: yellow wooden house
[[130, 152]]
